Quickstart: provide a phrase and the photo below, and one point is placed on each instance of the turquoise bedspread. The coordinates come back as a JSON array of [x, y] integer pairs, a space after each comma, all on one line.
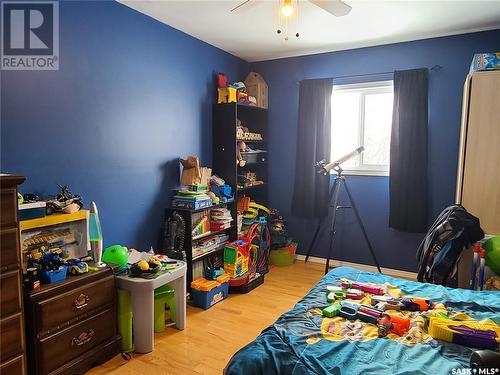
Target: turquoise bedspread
[[294, 344]]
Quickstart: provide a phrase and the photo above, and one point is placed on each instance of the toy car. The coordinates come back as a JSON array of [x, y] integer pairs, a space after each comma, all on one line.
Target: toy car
[[30, 198], [77, 267], [61, 200]]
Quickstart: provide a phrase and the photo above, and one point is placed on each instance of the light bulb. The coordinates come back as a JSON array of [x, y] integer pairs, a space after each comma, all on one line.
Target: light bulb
[[287, 8]]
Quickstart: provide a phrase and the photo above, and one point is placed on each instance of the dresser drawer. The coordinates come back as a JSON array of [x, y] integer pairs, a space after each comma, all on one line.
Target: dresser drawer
[[11, 337], [9, 249], [8, 202], [75, 340], [10, 293], [13, 367], [61, 309]]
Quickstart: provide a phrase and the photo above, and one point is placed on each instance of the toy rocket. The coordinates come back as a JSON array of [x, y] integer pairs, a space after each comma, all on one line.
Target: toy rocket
[[95, 234]]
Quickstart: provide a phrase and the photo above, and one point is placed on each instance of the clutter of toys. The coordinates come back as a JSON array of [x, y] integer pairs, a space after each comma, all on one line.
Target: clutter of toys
[[397, 316], [57, 237], [253, 91], [260, 233]]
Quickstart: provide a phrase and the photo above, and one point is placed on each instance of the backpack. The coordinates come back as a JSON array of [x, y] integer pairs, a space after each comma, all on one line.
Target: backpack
[[439, 252]]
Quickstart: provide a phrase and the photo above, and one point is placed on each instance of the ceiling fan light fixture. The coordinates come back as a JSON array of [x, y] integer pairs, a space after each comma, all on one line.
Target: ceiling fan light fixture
[[287, 8]]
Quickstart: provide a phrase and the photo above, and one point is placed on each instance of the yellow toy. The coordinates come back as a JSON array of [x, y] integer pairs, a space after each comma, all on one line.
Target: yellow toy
[[143, 265], [236, 258], [226, 95], [477, 334]]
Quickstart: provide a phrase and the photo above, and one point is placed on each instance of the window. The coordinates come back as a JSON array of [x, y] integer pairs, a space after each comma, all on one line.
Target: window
[[362, 116]]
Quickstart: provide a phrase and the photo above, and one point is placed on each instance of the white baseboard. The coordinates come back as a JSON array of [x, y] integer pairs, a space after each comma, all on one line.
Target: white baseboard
[[365, 267]]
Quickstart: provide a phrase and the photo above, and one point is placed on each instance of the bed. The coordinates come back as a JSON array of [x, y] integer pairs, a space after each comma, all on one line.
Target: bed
[[302, 341]]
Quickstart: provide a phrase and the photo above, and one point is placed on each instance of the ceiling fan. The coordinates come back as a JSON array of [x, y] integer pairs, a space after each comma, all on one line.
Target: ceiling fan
[[336, 7], [288, 11]]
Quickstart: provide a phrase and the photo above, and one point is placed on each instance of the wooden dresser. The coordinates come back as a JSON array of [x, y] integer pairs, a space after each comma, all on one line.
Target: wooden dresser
[[12, 356], [71, 325]]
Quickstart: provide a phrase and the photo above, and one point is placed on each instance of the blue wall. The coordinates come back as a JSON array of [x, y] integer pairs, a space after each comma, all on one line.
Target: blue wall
[[131, 96], [394, 249]]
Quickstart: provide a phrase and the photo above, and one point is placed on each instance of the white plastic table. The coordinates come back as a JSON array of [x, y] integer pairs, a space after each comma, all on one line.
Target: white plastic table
[[142, 294]]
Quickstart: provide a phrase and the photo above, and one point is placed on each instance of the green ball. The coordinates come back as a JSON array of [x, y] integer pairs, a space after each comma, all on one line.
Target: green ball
[[492, 247], [115, 254]]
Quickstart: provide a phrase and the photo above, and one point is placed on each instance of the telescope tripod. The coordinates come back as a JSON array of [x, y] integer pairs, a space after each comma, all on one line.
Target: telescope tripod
[[334, 199]]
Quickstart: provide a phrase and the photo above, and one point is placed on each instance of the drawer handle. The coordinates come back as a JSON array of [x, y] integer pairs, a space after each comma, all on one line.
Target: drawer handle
[[81, 301], [83, 338]]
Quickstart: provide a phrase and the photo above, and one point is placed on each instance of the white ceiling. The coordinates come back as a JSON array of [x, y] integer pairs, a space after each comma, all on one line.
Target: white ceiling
[[251, 34]]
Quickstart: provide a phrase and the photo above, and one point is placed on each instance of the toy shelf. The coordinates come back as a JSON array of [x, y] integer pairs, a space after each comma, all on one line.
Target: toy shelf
[[253, 187], [208, 253], [211, 233], [252, 164], [205, 208], [252, 141], [54, 219], [68, 233], [225, 118], [190, 219]]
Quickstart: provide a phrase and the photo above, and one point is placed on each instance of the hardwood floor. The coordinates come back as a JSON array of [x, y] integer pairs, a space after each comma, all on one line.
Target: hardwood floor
[[213, 336]]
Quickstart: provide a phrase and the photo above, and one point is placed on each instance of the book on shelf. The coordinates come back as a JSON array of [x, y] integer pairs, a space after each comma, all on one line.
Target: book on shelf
[[197, 188], [198, 198], [220, 218], [214, 227], [208, 244], [202, 227], [191, 205]]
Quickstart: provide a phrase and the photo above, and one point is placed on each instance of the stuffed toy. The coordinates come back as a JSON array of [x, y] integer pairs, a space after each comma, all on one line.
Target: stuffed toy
[[240, 147]]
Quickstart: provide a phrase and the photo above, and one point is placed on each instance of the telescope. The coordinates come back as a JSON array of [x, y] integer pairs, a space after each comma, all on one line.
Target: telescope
[[333, 202], [324, 168]]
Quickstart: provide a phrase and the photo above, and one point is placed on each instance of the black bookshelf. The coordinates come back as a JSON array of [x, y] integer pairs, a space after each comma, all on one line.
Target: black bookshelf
[[224, 149], [215, 255]]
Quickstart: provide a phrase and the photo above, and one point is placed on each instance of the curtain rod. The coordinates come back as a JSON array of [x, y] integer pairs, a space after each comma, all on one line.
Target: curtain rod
[[435, 68]]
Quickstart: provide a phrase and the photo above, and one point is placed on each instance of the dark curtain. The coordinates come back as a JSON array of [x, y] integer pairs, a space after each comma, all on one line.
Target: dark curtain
[[408, 169], [310, 193]]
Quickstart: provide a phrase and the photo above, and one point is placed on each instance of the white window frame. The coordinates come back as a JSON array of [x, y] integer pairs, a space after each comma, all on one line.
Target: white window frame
[[367, 87]]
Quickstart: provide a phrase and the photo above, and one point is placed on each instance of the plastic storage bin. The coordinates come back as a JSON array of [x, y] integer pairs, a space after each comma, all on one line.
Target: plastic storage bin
[[29, 211], [284, 256], [254, 157], [50, 277], [206, 293]]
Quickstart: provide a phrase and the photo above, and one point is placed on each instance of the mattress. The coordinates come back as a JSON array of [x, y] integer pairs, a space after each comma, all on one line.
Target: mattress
[[302, 341]]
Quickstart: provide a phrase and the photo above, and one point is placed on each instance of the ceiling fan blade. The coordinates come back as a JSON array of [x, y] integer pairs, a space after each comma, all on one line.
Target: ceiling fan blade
[[245, 5], [336, 7]]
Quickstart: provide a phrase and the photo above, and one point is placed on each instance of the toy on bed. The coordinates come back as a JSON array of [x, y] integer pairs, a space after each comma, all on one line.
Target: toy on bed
[[403, 303], [305, 341], [373, 289], [386, 323], [478, 334]]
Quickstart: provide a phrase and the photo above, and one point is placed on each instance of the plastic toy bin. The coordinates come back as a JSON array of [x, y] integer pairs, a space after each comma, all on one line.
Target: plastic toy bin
[[206, 293], [284, 256], [50, 277]]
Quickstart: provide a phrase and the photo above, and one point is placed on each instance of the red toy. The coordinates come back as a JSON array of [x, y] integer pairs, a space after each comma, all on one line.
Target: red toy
[[221, 80]]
